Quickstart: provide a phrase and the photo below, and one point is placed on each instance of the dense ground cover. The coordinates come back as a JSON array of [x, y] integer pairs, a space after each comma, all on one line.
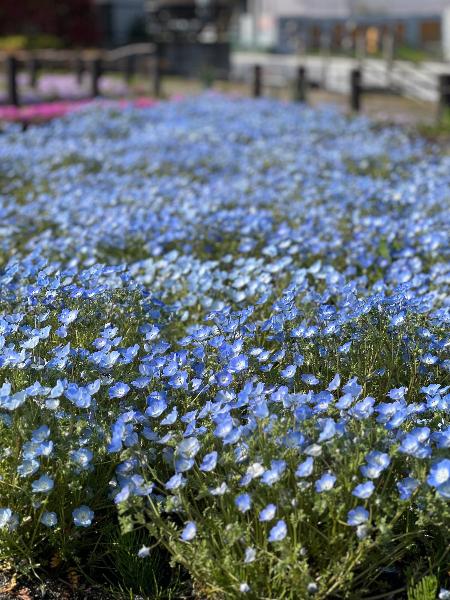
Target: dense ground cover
[[224, 345]]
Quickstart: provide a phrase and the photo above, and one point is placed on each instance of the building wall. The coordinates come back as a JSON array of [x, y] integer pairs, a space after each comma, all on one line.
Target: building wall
[[345, 8]]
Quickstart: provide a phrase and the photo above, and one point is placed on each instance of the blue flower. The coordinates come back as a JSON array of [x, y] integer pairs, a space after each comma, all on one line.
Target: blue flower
[[288, 372], [243, 502], [188, 448], [278, 532], [364, 490], [439, 473], [268, 513], [68, 316], [209, 462], [49, 519], [357, 516], [119, 390], [250, 555], [305, 468], [43, 485], [175, 482], [325, 483], [144, 552], [406, 487], [224, 378], [179, 380], [189, 532], [238, 363], [5, 517], [83, 516], [309, 379]]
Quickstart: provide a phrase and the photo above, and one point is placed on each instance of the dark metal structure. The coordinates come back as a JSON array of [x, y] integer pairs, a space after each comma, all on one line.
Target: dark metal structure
[[187, 19], [193, 35]]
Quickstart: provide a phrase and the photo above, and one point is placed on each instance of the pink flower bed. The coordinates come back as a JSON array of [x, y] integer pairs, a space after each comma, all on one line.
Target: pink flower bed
[[36, 113]]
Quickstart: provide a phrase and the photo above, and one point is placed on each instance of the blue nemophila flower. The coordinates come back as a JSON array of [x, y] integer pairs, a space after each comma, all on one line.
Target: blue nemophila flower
[[244, 587], [68, 316], [119, 390], [439, 473], [156, 405], [305, 468], [28, 467], [442, 438], [243, 502], [250, 555], [345, 348], [278, 532], [363, 409], [334, 383], [268, 513], [40, 434], [357, 516], [5, 517], [49, 519], [175, 482], [209, 462], [188, 447], [83, 516], [429, 359], [224, 378], [288, 372], [144, 552], [189, 532], [397, 393], [325, 483], [274, 474], [238, 363], [407, 487], [82, 457], [352, 387], [364, 490], [309, 379], [8, 519], [179, 380], [43, 485], [328, 430]]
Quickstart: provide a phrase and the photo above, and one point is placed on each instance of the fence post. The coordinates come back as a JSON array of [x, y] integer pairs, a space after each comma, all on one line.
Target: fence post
[[355, 89], [257, 81], [301, 84], [79, 69], [33, 66], [11, 77], [157, 70], [96, 69], [444, 94], [129, 67]]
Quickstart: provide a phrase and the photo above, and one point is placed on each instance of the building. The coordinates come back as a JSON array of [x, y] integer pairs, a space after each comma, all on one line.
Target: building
[[289, 25], [119, 21]]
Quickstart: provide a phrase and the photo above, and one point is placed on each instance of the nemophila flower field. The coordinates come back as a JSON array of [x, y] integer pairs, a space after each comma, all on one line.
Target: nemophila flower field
[[224, 353]]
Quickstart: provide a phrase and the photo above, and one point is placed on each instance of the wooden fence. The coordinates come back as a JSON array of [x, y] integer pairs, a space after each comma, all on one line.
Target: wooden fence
[[125, 60], [302, 84]]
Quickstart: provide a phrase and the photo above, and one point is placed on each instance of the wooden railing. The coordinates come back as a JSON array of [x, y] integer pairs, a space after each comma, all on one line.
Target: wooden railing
[[358, 89], [94, 62]]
